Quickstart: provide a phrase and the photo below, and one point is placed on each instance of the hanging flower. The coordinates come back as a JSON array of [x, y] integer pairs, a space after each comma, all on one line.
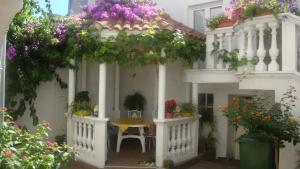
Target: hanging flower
[[11, 52]]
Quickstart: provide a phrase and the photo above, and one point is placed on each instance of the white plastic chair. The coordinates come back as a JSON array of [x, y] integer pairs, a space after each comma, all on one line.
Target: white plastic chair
[[134, 114]]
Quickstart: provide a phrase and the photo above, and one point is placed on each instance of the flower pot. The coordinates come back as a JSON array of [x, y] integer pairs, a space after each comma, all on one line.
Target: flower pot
[[169, 115], [82, 113], [256, 152], [262, 12], [186, 114], [225, 23]]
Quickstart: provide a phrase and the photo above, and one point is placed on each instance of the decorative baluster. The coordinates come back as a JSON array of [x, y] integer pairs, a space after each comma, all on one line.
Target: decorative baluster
[[229, 37], [250, 47], [79, 134], [220, 64], [84, 128], [274, 51], [88, 137], [261, 52], [92, 136], [189, 138], [184, 138], [75, 135], [242, 43], [178, 147], [173, 140], [169, 141]]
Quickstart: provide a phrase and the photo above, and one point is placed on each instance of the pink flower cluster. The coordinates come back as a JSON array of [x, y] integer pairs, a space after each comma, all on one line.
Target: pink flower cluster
[[130, 10], [11, 52]]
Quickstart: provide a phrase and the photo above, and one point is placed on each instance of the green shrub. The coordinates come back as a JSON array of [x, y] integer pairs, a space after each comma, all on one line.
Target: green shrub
[[20, 149]]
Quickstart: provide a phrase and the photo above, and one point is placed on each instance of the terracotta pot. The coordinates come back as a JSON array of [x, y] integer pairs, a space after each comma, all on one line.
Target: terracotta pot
[[225, 23], [263, 12], [169, 115]]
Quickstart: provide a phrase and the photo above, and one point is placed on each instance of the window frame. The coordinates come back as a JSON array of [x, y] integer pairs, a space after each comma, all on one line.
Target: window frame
[[204, 6]]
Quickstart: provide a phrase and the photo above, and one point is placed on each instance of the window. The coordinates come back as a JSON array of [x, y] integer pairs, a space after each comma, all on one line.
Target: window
[[199, 20], [199, 14], [206, 106]]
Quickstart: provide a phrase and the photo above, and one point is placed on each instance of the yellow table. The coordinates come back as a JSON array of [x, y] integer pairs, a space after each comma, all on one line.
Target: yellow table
[[124, 123]]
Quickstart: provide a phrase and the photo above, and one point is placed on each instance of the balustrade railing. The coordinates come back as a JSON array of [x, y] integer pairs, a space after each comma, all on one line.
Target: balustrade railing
[[177, 139], [268, 40], [86, 134]]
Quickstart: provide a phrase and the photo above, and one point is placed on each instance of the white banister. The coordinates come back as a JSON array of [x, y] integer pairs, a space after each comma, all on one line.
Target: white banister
[[261, 52], [274, 51], [210, 60], [161, 87], [220, 64], [90, 138], [177, 139]]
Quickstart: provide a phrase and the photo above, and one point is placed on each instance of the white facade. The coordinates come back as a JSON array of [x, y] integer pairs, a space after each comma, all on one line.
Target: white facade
[[52, 101]]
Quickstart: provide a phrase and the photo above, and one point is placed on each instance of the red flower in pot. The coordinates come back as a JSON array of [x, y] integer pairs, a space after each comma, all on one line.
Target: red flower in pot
[[170, 107]]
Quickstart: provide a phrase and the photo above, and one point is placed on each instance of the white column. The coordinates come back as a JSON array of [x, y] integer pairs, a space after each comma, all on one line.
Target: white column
[[102, 91], [210, 60], [71, 84], [195, 90], [71, 98], [274, 51], [289, 46], [161, 88], [2, 69], [83, 74], [117, 90], [220, 60], [261, 52]]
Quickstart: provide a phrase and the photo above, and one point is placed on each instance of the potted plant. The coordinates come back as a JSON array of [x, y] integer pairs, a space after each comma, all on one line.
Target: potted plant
[[135, 101], [81, 105], [170, 107], [267, 126], [219, 21], [187, 109]]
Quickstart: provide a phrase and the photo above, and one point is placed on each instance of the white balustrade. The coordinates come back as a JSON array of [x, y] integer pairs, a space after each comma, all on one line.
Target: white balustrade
[[261, 52], [220, 64], [274, 51], [85, 138], [179, 137]]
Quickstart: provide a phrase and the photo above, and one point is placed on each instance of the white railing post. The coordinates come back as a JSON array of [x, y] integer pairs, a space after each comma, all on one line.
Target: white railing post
[[289, 46], [250, 47], [220, 64], [161, 87], [274, 51], [261, 52], [210, 59], [162, 143]]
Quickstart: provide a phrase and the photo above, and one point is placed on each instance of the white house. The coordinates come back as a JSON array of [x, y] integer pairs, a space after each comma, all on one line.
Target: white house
[[211, 78]]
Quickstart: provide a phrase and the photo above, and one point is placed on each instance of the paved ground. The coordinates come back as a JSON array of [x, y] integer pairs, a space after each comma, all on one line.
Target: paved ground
[[200, 165]]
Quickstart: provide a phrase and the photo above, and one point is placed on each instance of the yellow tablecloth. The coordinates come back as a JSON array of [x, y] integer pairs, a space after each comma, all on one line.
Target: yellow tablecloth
[[125, 123]]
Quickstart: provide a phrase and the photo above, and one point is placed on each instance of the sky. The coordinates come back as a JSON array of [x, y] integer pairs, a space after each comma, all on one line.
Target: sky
[[58, 6]]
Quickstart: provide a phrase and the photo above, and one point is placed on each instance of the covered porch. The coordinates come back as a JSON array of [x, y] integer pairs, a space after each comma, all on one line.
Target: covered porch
[[176, 139]]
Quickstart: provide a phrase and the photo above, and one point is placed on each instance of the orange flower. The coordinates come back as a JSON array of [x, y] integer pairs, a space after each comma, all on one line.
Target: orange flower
[[238, 119], [245, 109], [266, 118], [7, 153]]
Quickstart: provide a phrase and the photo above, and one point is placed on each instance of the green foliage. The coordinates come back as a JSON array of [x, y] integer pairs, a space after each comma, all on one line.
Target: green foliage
[[36, 61], [261, 116], [215, 21], [61, 139], [231, 57], [135, 101], [187, 108], [82, 96], [21, 150], [41, 51]]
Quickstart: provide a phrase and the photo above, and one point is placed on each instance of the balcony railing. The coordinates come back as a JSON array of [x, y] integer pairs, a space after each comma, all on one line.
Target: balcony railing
[[272, 41]]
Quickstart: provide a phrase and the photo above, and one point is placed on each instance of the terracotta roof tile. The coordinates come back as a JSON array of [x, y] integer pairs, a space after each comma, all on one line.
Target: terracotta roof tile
[[159, 22]]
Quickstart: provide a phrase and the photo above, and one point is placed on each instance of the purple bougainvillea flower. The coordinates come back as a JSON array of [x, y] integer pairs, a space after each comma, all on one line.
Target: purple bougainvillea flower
[[11, 52]]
